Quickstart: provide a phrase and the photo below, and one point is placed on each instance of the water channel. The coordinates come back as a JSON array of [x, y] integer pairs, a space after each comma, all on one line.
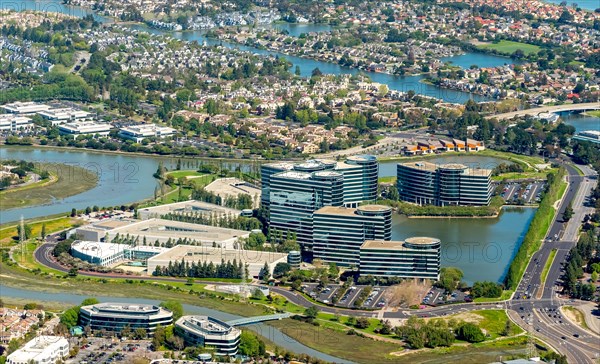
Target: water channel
[[269, 332]]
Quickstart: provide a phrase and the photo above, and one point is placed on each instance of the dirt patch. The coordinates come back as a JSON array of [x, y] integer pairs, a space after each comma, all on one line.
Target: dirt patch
[[406, 293]]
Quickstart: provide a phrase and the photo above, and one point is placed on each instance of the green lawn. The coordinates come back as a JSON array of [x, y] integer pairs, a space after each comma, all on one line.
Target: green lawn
[[190, 173], [503, 297], [388, 179], [595, 113], [547, 266], [509, 47]]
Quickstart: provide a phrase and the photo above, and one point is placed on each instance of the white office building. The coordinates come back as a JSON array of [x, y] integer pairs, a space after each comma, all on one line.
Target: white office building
[[11, 122], [84, 128], [25, 108], [138, 133], [209, 332], [65, 115], [41, 350], [592, 136], [98, 253]]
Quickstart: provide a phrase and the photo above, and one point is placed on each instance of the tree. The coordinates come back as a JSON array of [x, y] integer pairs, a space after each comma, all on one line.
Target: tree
[[174, 307], [281, 269], [265, 272], [30, 306], [469, 332], [26, 231], [70, 317], [73, 272], [257, 294], [568, 214], [43, 232], [362, 323], [90, 301], [159, 338], [594, 277], [250, 344], [449, 278], [73, 212], [311, 312], [393, 193]]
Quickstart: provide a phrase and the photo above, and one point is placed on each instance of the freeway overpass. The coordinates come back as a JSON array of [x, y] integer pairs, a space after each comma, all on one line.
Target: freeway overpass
[[547, 109]]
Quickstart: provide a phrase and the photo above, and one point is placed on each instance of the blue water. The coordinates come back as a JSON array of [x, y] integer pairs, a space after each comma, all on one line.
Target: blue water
[[581, 122], [584, 4], [481, 248], [481, 60]]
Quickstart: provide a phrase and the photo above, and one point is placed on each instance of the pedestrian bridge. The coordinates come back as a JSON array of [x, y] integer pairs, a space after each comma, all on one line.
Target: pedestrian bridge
[[257, 319]]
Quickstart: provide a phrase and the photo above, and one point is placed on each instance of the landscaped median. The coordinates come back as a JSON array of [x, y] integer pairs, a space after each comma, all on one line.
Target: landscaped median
[[537, 229]]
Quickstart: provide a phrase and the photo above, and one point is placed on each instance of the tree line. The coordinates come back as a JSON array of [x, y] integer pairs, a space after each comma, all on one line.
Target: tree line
[[229, 270]]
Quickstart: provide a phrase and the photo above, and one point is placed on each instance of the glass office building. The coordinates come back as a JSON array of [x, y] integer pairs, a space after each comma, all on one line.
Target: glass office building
[[426, 183], [116, 316], [209, 332], [417, 257], [339, 232], [294, 196], [360, 176]]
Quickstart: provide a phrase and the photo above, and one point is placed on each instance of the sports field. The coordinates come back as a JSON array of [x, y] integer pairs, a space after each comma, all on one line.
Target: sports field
[[509, 47]]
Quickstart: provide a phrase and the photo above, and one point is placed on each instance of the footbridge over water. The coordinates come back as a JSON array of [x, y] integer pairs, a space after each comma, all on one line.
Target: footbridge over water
[[254, 320], [548, 109]]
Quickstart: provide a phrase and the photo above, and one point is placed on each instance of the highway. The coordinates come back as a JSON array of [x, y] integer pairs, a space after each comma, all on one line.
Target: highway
[[547, 109], [540, 310]]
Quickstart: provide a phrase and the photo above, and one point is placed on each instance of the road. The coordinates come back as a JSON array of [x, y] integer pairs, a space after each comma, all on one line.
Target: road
[[546, 109], [580, 346], [561, 236]]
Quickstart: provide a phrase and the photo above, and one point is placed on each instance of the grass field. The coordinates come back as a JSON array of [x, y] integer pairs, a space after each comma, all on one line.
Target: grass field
[[595, 113], [8, 234], [388, 179], [509, 47], [70, 180], [547, 266]]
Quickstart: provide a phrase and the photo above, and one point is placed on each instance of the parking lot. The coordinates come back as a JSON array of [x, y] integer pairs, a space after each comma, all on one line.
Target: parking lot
[[111, 351], [326, 295], [436, 296], [523, 193]]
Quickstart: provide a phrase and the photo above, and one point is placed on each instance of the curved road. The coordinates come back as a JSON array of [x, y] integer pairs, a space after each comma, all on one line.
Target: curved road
[[539, 316]]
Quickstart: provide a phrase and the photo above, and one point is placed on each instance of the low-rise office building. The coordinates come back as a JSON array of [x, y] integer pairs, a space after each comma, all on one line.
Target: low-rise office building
[[339, 232], [65, 115], [417, 257], [41, 350], [25, 108], [161, 230], [84, 128], [426, 183], [140, 132], [253, 259], [209, 332], [94, 252], [106, 254], [188, 208], [11, 122], [115, 317]]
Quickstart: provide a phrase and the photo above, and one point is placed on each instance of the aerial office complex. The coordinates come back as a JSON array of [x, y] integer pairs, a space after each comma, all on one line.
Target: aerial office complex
[[339, 232], [426, 183], [117, 316], [413, 258], [208, 331], [292, 192]]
